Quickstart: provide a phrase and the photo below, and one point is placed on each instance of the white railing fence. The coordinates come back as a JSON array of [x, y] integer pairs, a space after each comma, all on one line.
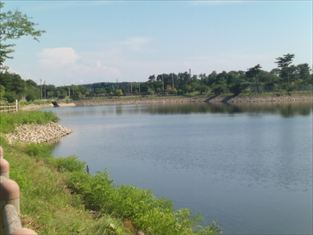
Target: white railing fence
[[9, 107]]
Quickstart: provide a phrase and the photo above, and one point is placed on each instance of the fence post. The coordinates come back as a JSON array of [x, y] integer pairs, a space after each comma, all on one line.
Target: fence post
[[16, 105]]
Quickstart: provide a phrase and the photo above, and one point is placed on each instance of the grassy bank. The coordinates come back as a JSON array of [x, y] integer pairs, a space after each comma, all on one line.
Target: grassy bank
[[58, 197], [8, 121]]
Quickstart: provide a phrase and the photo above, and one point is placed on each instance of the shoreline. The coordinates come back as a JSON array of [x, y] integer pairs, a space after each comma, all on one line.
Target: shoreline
[[240, 99], [139, 100], [221, 99], [272, 99], [32, 107]]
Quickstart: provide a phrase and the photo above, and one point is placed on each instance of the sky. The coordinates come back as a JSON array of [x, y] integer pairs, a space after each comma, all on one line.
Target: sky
[[102, 41]]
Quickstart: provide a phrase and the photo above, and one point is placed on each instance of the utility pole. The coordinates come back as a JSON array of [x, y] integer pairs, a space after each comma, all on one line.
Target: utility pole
[[173, 85], [139, 88], [40, 82], [44, 90]]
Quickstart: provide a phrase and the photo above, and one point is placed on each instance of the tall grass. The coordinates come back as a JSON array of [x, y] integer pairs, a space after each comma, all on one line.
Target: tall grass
[[152, 215]]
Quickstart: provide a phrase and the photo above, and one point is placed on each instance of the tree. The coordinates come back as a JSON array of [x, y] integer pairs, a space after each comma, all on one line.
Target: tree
[[285, 70], [301, 77], [303, 71], [118, 92], [14, 85], [253, 74], [284, 61], [236, 82], [13, 25], [151, 78]]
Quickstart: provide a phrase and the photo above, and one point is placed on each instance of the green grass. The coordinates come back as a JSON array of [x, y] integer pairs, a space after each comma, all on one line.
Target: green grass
[[47, 205], [36, 102], [59, 197], [8, 121]]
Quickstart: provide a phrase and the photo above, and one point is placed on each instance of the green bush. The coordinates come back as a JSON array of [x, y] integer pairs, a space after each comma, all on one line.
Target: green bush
[[10, 97], [30, 97], [152, 215], [69, 164]]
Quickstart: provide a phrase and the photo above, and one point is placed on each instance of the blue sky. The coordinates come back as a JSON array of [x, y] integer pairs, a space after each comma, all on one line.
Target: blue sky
[[94, 41]]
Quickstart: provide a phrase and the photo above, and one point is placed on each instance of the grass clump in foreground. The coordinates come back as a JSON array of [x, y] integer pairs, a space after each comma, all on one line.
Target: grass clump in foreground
[[58, 197]]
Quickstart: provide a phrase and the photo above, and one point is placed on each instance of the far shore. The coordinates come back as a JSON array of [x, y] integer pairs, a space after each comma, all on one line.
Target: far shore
[[264, 99], [240, 99], [297, 98]]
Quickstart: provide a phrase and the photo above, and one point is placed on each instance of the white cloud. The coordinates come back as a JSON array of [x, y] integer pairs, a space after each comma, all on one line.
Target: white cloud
[[58, 57], [63, 65]]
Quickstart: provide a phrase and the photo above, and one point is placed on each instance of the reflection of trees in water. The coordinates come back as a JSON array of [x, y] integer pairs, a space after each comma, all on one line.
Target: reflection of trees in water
[[285, 110]]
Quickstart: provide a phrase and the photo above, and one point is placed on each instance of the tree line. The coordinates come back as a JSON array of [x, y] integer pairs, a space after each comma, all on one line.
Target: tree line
[[286, 77]]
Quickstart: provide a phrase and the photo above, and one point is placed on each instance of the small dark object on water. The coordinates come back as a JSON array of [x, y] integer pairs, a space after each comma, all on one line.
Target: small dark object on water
[[87, 169], [55, 104]]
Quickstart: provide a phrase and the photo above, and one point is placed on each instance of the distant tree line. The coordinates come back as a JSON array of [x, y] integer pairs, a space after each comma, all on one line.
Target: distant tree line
[[285, 78]]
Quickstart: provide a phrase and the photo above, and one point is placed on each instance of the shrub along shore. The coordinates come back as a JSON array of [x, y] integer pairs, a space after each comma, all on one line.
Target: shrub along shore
[[59, 197]]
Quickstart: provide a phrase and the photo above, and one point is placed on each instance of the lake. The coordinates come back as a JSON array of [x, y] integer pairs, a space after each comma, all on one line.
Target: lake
[[248, 168]]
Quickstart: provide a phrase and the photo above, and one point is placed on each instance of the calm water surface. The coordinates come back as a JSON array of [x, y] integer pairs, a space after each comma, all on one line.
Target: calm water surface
[[248, 168]]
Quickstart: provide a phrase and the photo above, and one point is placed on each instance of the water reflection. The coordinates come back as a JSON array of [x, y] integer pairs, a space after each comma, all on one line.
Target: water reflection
[[285, 110]]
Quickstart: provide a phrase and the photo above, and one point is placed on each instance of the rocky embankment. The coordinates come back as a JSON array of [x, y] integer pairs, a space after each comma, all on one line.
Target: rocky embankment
[[139, 100], [240, 99], [283, 99], [38, 133]]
